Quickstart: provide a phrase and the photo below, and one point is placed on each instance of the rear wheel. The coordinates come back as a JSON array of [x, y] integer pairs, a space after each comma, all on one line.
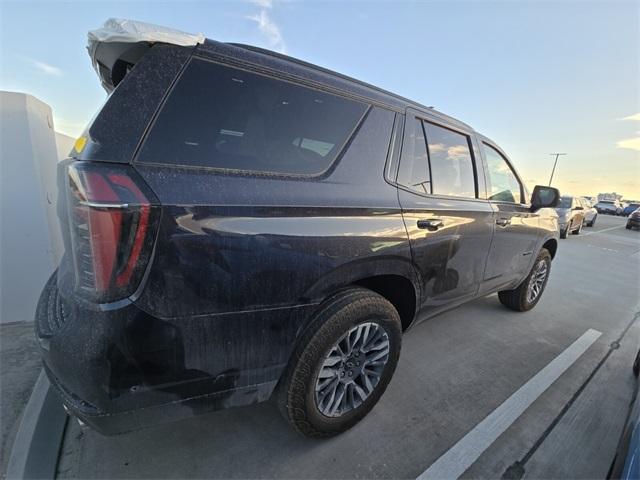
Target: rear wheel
[[577, 230], [342, 365], [528, 293]]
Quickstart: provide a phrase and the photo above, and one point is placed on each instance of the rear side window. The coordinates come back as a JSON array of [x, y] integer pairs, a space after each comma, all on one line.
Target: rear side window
[[451, 163], [504, 186], [222, 117], [436, 160]]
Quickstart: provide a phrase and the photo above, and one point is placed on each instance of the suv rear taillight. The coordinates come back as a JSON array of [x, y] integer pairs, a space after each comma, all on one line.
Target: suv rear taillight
[[112, 221]]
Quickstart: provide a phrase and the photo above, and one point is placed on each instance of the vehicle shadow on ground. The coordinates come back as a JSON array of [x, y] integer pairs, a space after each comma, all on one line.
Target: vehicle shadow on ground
[[422, 413]]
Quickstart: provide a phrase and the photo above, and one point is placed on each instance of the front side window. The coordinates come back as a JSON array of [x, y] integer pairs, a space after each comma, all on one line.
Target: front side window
[[504, 186], [222, 117]]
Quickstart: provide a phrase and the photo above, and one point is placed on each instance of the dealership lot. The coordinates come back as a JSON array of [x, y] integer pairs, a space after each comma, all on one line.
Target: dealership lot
[[455, 370]]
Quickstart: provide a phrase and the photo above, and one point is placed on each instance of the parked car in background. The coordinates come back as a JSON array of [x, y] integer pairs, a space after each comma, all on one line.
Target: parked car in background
[[239, 224], [571, 215], [633, 220], [631, 207], [590, 212], [610, 207]]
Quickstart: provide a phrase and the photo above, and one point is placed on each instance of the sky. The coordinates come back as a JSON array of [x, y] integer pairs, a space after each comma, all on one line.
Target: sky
[[535, 76]]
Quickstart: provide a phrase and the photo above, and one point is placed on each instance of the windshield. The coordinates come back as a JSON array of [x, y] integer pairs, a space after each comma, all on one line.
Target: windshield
[[565, 202]]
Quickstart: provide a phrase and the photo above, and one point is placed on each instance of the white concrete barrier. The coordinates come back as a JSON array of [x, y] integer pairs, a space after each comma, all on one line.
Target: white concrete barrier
[[30, 240]]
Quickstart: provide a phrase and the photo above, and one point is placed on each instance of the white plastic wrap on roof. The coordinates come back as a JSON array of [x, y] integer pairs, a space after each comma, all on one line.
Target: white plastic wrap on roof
[[130, 31], [107, 43]]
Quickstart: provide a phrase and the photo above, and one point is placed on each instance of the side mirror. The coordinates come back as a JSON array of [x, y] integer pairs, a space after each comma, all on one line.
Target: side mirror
[[544, 197]]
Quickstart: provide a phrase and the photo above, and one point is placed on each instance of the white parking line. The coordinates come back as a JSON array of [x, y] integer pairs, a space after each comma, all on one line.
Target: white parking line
[[603, 230], [462, 455]]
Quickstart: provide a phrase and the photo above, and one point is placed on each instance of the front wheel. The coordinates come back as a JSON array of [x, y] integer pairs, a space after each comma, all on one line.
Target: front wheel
[[528, 293], [563, 233], [342, 364], [592, 222]]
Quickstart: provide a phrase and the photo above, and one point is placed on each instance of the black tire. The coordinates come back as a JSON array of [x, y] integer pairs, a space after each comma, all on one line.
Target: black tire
[[516, 299], [295, 394], [627, 226], [592, 222], [577, 230], [563, 233]]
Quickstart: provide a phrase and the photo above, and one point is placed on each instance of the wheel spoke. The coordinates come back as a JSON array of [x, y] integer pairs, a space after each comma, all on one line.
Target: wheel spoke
[[379, 353], [332, 360], [337, 401], [368, 386]]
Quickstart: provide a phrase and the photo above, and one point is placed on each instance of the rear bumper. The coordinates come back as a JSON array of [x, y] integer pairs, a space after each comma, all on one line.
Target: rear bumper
[[121, 369], [109, 423]]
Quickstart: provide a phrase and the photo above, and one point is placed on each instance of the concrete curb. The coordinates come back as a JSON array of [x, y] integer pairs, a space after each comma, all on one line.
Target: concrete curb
[[39, 438]]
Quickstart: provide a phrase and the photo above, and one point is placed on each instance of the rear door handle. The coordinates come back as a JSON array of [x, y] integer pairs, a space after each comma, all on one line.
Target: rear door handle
[[431, 224], [503, 222]]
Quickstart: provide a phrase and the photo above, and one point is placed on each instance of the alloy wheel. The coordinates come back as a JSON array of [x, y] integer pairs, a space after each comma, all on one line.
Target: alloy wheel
[[536, 282], [352, 369]]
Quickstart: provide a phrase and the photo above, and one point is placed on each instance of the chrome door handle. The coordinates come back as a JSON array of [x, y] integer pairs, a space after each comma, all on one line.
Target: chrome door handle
[[503, 222], [431, 224]]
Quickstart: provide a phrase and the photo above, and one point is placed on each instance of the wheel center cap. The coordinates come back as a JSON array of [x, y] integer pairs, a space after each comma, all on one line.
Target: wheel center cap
[[353, 366]]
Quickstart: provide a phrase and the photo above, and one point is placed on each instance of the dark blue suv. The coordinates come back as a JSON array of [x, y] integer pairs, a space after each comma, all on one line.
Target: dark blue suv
[[240, 225]]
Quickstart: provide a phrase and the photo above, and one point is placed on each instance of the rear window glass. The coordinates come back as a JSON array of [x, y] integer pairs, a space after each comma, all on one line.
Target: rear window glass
[[222, 117]]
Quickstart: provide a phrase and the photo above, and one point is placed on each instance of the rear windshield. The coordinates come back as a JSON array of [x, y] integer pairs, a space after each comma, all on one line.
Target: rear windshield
[[222, 117]]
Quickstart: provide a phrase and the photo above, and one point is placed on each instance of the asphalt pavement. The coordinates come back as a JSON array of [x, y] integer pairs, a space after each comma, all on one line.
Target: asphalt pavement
[[483, 389]]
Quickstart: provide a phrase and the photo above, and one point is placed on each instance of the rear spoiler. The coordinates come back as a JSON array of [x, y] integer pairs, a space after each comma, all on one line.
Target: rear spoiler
[[117, 46]]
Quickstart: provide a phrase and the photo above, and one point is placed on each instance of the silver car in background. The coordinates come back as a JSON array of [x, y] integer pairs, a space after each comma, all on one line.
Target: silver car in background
[[570, 215], [612, 207], [590, 212]]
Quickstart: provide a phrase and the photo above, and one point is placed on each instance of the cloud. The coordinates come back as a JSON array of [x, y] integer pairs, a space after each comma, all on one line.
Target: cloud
[[267, 26], [633, 118], [45, 68], [457, 152], [630, 143]]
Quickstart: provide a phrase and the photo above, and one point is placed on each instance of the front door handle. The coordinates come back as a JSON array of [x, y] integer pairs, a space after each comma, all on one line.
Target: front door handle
[[430, 224], [503, 222]]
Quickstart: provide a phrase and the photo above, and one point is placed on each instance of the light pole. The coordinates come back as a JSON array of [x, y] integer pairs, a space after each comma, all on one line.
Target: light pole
[[554, 165]]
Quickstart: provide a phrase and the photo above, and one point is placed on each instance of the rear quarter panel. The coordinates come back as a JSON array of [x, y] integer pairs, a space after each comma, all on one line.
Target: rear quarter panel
[[230, 243]]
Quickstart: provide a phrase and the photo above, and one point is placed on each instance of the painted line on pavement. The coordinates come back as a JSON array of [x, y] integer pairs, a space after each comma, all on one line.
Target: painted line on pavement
[[603, 230], [461, 456]]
